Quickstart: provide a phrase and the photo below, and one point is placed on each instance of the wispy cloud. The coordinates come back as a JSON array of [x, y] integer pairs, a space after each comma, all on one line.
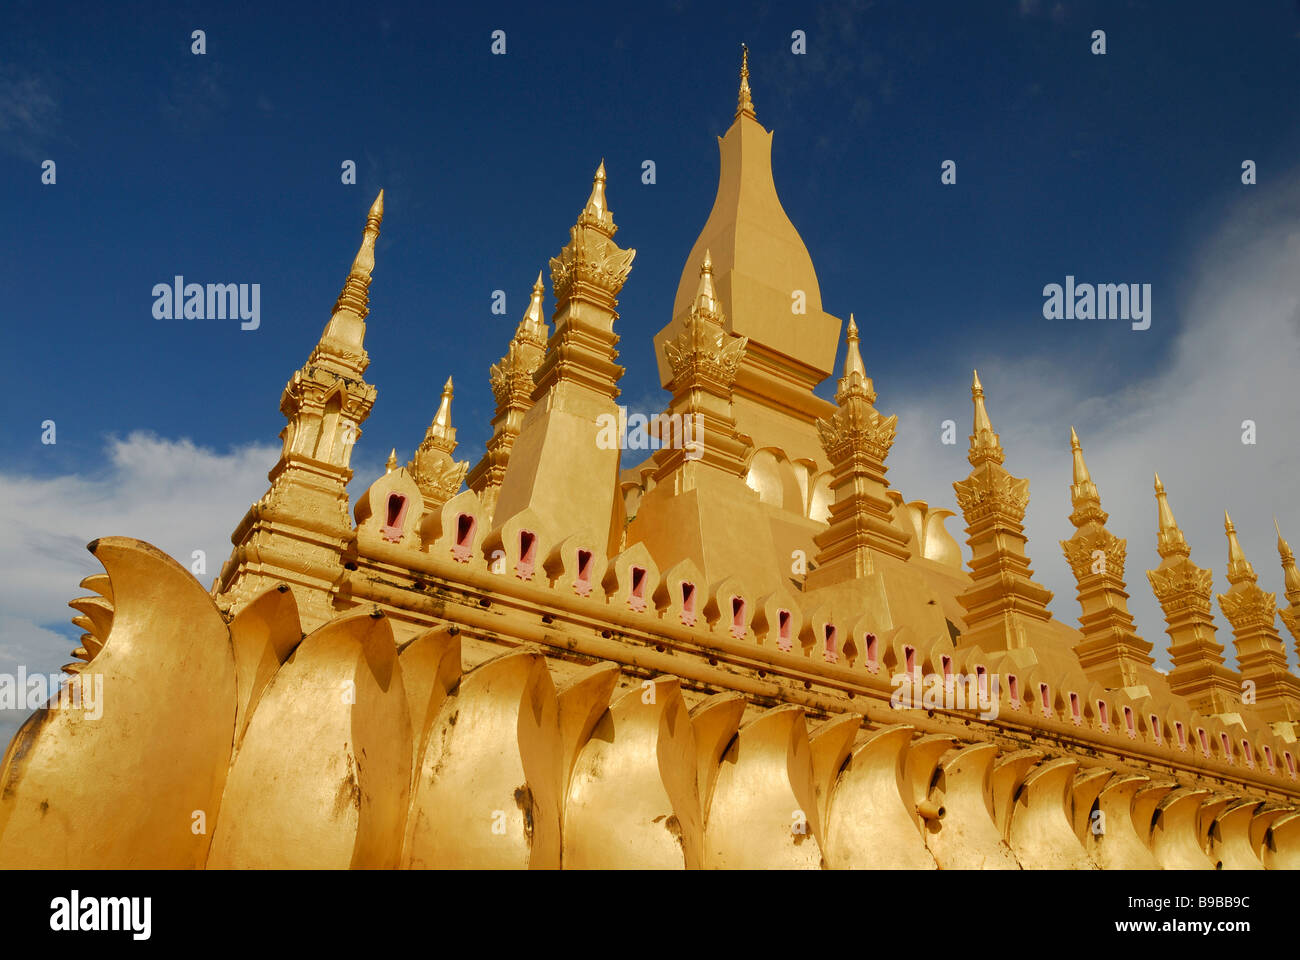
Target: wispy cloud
[[29, 114], [178, 496]]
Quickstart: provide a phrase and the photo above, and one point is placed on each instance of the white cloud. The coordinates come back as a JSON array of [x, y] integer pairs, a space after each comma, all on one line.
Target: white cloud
[[1235, 358], [177, 496], [171, 493]]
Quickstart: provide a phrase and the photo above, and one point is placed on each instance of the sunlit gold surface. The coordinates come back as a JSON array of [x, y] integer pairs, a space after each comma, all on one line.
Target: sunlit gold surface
[[583, 661]]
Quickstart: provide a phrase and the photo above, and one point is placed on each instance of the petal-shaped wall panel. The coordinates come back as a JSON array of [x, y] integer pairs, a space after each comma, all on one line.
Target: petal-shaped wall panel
[[133, 776]]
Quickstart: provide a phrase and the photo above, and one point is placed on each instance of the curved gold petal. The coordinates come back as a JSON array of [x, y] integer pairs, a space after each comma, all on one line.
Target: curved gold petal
[[968, 838], [1041, 834], [715, 722], [487, 792], [1263, 819], [100, 584], [1230, 847], [871, 821], [1175, 832], [1009, 772], [764, 809], [829, 745], [431, 668], [1113, 840], [262, 635], [321, 778], [1282, 844], [1085, 792], [633, 799], [132, 777], [96, 615], [582, 701], [921, 762]]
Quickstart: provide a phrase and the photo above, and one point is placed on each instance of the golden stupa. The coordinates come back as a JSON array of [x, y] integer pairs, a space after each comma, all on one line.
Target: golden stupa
[[748, 650]]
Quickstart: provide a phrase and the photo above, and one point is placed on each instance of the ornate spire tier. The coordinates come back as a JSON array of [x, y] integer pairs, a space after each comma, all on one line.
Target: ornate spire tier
[[1003, 603], [1111, 651], [512, 387], [1261, 654], [435, 471], [769, 292], [1184, 592], [559, 464], [857, 439], [699, 508], [305, 511], [704, 358]]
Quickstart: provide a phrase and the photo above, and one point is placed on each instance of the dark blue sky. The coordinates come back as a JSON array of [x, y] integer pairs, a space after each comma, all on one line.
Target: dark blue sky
[[226, 168]]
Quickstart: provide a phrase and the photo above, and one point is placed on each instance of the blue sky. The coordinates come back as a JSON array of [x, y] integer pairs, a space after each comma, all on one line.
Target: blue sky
[[226, 168]]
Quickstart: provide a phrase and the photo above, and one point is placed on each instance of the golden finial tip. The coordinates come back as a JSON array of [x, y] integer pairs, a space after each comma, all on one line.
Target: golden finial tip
[[1227, 522], [745, 102], [853, 326], [975, 381], [537, 284], [1160, 487], [600, 170], [446, 387], [377, 208], [1074, 438]]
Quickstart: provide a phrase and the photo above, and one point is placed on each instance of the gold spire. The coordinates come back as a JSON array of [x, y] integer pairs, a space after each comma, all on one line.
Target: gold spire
[[1239, 568], [1170, 541], [855, 371], [1292, 575], [354, 296], [442, 420], [533, 324], [1083, 492], [391, 465], [853, 355], [597, 211], [706, 297], [745, 103], [984, 444]]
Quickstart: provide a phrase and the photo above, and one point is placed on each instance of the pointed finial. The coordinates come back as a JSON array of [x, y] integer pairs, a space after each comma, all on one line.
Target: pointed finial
[[853, 354], [596, 207], [1081, 474], [984, 443], [391, 465], [1239, 568], [1083, 492], [855, 381], [745, 104], [1170, 541], [533, 315], [1291, 574], [355, 294], [706, 296], [443, 417], [364, 262]]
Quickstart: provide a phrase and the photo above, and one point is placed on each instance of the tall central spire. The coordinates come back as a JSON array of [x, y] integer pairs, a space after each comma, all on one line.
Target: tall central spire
[[767, 289]]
